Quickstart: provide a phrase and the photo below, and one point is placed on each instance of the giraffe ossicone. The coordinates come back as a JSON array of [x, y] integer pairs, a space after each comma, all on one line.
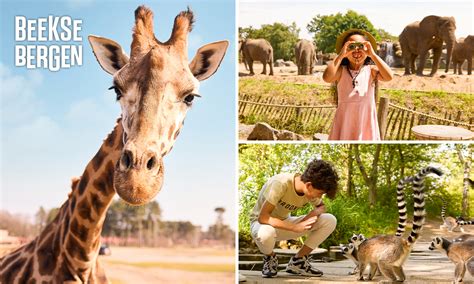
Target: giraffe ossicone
[[155, 87]]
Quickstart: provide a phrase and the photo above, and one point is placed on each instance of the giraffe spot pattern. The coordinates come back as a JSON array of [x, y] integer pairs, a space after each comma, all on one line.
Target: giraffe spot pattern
[[98, 159], [104, 183], [84, 210], [79, 230], [46, 259], [83, 183], [97, 204], [27, 272], [12, 271], [76, 250]]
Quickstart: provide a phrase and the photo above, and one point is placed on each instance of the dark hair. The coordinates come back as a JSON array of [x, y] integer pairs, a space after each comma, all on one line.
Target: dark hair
[[345, 61], [321, 175]]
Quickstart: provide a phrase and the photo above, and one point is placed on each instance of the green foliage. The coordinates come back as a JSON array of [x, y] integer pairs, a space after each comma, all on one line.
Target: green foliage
[[259, 162], [282, 37], [328, 27], [384, 35]]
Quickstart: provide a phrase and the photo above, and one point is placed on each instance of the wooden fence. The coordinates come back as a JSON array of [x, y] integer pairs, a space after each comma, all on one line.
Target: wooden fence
[[395, 121]]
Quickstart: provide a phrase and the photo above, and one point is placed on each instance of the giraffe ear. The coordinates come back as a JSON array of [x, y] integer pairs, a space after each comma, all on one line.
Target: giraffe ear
[[207, 59], [108, 53]]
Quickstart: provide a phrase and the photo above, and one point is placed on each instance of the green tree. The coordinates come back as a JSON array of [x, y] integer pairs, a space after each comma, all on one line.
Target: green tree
[[366, 202], [282, 37], [327, 28]]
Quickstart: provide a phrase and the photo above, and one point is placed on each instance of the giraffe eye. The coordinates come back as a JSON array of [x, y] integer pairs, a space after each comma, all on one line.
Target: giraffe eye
[[188, 100], [117, 92]]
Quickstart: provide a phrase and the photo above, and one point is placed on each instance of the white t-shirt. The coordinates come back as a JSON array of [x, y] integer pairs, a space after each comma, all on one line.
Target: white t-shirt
[[280, 191]]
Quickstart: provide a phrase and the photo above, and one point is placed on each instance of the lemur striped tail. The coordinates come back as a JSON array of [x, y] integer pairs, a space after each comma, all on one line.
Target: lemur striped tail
[[462, 222], [443, 209], [402, 205], [419, 202]]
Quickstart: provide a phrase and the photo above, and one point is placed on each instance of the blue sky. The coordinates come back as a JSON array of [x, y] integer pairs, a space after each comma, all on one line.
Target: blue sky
[[52, 123], [391, 16]]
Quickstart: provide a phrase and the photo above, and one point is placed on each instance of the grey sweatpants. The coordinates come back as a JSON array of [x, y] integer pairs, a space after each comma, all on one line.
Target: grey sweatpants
[[266, 236]]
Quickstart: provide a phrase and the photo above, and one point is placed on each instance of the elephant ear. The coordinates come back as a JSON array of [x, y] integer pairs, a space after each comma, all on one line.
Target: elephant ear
[[430, 24]]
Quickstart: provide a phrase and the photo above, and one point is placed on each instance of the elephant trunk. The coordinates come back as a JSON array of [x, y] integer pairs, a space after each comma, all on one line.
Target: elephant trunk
[[449, 52]]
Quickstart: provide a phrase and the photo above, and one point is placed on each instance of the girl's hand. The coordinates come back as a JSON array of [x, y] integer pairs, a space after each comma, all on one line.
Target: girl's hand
[[368, 49], [345, 51]]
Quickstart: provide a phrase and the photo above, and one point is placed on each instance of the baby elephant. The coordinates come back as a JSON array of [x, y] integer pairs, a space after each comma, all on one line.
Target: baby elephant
[[460, 253]]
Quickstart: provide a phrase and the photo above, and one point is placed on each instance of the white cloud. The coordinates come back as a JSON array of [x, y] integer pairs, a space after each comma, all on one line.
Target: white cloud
[[18, 99]]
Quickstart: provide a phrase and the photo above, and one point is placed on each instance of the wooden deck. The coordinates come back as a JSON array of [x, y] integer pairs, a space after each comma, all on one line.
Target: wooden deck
[[423, 266]]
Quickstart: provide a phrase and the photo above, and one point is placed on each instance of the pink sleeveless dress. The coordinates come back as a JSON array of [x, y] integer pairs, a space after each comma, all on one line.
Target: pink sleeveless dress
[[356, 115]]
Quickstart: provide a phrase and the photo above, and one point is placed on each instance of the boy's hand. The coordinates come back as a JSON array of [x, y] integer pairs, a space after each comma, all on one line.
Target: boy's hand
[[305, 225]]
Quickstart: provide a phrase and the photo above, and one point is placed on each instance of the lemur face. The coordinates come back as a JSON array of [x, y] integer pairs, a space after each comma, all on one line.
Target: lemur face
[[357, 239], [347, 249], [436, 243]]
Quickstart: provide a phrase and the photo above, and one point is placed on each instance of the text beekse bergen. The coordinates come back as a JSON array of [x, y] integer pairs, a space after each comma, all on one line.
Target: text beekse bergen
[[51, 43]]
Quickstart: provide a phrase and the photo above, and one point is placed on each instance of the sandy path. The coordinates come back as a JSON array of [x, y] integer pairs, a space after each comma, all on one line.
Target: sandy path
[[447, 82]]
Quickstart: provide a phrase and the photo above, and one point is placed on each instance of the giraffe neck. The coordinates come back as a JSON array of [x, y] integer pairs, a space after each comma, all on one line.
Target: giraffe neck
[[67, 249], [91, 196]]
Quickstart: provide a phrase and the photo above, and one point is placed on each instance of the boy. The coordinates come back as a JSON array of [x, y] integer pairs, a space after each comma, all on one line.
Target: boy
[[270, 220]]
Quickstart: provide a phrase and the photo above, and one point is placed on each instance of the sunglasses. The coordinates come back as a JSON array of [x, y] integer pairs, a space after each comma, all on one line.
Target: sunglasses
[[355, 45]]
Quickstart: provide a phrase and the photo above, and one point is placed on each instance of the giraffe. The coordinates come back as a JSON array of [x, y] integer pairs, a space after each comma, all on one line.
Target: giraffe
[[155, 87]]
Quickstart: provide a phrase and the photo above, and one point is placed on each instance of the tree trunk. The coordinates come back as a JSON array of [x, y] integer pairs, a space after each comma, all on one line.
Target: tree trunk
[[466, 162], [370, 181], [349, 171]]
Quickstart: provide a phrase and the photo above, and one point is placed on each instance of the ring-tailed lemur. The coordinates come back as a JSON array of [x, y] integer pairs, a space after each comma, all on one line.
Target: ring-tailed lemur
[[460, 253], [389, 252], [350, 252], [449, 223], [462, 222], [463, 238]]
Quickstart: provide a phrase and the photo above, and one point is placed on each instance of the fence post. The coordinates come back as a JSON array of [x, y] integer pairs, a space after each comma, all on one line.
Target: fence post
[[382, 115]]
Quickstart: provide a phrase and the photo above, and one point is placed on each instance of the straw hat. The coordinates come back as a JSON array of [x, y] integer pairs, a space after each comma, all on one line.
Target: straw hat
[[340, 39]]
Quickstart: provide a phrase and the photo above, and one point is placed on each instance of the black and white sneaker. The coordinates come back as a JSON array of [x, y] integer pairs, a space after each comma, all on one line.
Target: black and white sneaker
[[301, 266], [270, 266]]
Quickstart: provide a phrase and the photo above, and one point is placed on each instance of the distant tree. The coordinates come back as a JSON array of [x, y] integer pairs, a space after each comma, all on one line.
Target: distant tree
[[282, 38], [51, 215], [384, 35], [40, 218], [327, 28]]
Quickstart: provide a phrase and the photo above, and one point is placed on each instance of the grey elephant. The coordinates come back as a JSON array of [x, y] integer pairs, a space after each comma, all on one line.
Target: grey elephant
[[257, 50], [305, 56], [419, 37], [463, 50]]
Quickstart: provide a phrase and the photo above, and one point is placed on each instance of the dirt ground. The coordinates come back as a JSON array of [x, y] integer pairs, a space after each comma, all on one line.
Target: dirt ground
[[150, 265], [447, 82], [423, 265]]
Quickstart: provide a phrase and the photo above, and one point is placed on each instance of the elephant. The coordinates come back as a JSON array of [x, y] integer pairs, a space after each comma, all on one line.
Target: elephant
[[463, 50], [419, 37], [305, 57], [257, 49]]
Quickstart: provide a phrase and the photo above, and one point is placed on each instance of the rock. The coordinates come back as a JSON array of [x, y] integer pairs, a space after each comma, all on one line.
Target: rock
[[263, 131], [279, 63], [289, 64], [320, 137], [288, 135], [442, 76]]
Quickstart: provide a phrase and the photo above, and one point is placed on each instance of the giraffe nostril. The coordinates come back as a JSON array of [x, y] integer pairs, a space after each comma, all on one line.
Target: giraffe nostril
[[126, 160], [151, 163]]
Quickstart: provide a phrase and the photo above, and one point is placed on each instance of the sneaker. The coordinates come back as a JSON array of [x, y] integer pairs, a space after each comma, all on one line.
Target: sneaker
[[301, 266], [270, 266]]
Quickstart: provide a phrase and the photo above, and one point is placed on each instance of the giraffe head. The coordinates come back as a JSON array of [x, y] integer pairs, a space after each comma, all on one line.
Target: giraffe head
[[155, 87]]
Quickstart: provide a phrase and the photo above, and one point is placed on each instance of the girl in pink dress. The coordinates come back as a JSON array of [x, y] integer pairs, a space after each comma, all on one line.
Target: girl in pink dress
[[355, 74]]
